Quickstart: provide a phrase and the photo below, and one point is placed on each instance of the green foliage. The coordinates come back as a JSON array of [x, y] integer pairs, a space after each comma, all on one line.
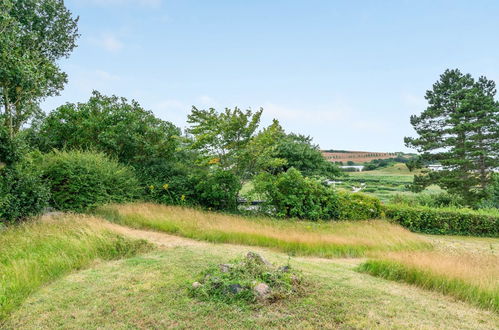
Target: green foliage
[[460, 130], [358, 206], [12, 148], [460, 289], [121, 129], [491, 199], [35, 35], [235, 282], [222, 137], [80, 180], [37, 253], [218, 190], [446, 221], [442, 199], [22, 193], [299, 153], [290, 194]]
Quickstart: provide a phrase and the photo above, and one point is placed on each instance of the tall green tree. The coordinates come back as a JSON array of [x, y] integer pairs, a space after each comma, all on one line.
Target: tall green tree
[[460, 130], [222, 137], [112, 125], [34, 36]]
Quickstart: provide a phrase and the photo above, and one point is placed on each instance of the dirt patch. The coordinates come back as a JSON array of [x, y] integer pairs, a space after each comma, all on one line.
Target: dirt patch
[[160, 239]]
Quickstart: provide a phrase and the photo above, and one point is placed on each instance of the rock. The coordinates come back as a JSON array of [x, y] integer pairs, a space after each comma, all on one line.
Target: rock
[[235, 288], [262, 290], [196, 285], [284, 269], [257, 258], [225, 268]]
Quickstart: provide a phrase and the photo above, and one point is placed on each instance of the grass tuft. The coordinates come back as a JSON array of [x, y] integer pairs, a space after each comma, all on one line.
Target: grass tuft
[[38, 252], [323, 239]]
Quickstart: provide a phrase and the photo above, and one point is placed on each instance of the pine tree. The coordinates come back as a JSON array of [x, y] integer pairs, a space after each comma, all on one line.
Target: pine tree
[[460, 130]]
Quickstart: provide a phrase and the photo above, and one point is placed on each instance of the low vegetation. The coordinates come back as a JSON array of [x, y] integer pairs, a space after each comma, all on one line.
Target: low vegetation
[[470, 277], [324, 239], [35, 253], [450, 221], [251, 279], [150, 291]]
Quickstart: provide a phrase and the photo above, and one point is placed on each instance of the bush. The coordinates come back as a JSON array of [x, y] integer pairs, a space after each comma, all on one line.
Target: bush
[[248, 280], [80, 181], [442, 199], [358, 206], [491, 199], [292, 195], [449, 221], [215, 189], [218, 190], [22, 194]]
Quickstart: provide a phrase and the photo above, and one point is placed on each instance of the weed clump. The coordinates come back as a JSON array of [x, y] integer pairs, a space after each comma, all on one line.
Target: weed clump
[[251, 279]]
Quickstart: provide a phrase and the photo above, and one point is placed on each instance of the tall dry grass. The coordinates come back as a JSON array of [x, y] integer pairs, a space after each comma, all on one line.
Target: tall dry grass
[[325, 239], [471, 277], [38, 252]]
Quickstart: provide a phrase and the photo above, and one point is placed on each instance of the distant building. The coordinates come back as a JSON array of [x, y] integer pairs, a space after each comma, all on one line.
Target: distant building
[[435, 167]]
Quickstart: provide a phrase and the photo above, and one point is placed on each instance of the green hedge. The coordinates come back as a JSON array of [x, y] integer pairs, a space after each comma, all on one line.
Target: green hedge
[[447, 221], [358, 206]]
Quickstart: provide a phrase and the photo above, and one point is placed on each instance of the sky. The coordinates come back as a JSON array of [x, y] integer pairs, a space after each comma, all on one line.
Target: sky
[[347, 73]]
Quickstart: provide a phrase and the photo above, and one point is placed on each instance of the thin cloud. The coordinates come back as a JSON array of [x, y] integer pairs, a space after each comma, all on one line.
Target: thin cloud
[[142, 3], [108, 42]]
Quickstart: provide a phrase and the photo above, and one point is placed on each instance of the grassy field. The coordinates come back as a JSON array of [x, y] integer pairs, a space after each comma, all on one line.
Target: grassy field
[[34, 254], [383, 183], [324, 239], [52, 279], [150, 291]]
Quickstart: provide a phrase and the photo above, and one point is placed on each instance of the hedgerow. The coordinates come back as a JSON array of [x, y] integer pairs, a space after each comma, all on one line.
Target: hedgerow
[[447, 221]]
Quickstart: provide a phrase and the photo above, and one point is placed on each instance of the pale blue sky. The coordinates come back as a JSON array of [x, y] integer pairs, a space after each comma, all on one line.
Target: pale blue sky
[[348, 73]]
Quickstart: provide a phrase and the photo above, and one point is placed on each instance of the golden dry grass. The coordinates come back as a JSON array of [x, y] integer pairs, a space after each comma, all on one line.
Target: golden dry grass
[[325, 239]]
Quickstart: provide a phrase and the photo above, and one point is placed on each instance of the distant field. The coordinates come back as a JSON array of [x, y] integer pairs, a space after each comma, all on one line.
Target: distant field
[[383, 183], [357, 156]]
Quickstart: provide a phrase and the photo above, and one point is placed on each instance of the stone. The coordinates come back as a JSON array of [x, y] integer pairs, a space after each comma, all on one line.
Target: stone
[[225, 268], [235, 288], [258, 258], [262, 290], [284, 269], [196, 285]]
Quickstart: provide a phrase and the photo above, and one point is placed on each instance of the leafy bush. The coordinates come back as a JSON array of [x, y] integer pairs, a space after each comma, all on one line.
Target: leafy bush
[[80, 180], [358, 206], [218, 190], [248, 280], [292, 195], [442, 199], [452, 221], [491, 199], [22, 193]]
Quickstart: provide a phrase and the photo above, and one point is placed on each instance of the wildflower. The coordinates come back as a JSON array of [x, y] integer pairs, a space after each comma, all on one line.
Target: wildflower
[[151, 187], [214, 161], [182, 198], [165, 186]]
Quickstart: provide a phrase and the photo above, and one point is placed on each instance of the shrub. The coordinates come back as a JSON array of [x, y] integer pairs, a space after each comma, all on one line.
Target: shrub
[[443, 199], [290, 194], [80, 181], [358, 206], [218, 190], [22, 194], [491, 199], [248, 280], [451, 221]]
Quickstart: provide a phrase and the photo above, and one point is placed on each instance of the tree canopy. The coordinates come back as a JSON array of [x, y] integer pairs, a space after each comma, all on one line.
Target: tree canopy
[[34, 35], [460, 130]]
